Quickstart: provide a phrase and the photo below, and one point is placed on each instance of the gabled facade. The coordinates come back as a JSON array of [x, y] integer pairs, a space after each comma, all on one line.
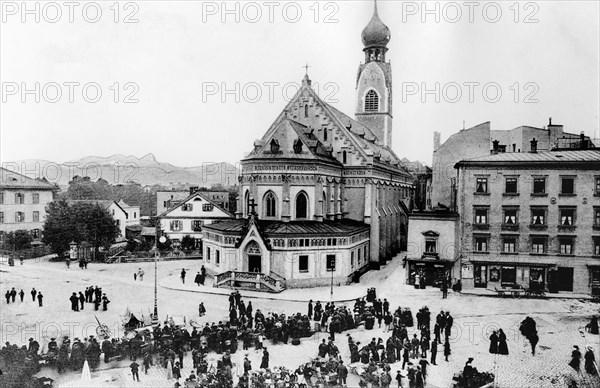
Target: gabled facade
[[190, 216]]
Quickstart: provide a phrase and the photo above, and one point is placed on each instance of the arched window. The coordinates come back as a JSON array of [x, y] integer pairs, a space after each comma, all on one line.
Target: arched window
[[306, 110], [302, 205], [247, 203], [270, 205], [344, 157], [371, 101], [324, 134]]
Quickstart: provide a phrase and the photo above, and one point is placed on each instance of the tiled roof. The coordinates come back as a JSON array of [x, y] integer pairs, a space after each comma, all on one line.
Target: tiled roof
[[10, 179], [568, 157], [273, 228]]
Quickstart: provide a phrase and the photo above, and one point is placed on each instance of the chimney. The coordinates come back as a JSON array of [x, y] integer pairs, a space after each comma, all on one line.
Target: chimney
[[533, 146], [437, 141], [193, 189], [582, 141], [496, 147], [550, 121]]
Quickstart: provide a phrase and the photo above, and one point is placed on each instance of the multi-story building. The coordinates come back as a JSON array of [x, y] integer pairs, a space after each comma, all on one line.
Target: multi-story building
[[23, 202], [166, 200], [189, 217], [480, 141], [531, 219]]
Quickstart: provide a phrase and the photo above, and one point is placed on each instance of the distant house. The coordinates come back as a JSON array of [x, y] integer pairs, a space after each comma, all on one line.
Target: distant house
[[189, 216], [166, 200], [124, 214], [23, 203]]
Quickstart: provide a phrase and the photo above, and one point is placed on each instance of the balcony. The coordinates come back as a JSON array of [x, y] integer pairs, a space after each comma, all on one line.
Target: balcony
[[481, 226], [567, 228], [510, 227], [538, 227]]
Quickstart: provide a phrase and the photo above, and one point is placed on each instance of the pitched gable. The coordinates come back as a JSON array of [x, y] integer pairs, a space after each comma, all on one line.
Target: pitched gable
[[196, 206]]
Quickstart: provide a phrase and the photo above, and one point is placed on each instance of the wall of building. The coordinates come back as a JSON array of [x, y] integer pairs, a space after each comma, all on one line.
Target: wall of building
[[447, 229], [9, 207]]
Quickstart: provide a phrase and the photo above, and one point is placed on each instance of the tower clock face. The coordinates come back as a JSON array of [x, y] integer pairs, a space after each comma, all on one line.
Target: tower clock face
[[372, 75]]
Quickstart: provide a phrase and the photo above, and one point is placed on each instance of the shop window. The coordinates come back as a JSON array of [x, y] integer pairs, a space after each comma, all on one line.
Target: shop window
[[509, 275], [510, 186], [481, 186], [539, 185], [566, 245], [509, 244], [539, 244], [303, 263], [331, 261], [567, 185], [567, 216], [538, 216]]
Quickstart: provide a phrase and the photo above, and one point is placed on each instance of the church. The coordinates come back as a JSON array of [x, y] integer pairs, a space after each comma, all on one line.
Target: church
[[323, 198]]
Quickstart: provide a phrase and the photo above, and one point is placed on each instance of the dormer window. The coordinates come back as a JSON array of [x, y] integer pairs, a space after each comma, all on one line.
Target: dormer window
[[274, 146], [371, 101], [298, 146]]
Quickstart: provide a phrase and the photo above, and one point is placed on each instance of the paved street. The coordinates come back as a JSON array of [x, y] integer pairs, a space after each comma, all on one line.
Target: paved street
[[558, 321]]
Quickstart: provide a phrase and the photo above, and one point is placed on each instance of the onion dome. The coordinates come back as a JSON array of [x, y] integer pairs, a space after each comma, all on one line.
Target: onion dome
[[376, 33]]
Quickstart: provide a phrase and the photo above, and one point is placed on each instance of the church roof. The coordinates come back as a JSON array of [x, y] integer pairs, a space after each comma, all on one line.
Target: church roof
[[285, 134], [300, 228]]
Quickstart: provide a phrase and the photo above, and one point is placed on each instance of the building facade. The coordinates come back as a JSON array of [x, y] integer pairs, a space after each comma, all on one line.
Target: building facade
[[322, 195], [23, 203], [166, 200], [189, 217], [531, 219], [480, 141]]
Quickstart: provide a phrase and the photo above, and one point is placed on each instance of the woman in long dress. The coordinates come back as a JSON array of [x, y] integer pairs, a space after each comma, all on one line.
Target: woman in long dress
[[494, 343], [575, 358], [502, 345]]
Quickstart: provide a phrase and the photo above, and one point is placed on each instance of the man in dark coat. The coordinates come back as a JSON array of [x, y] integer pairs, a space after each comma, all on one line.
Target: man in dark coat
[[74, 302], [21, 294], [105, 302], [183, 272], [7, 296], [13, 294], [433, 352], [135, 371], [33, 348], [81, 300], [342, 372], [310, 309], [494, 342], [40, 298], [198, 279], [33, 293]]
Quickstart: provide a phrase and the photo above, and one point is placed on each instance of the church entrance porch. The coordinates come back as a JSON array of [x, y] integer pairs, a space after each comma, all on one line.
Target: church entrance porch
[[254, 263]]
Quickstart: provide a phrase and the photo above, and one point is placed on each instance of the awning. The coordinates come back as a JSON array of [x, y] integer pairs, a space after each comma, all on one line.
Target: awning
[[513, 263]]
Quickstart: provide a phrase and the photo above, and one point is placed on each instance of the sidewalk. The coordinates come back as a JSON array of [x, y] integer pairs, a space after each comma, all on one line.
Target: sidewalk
[[340, 293], [492, 293]]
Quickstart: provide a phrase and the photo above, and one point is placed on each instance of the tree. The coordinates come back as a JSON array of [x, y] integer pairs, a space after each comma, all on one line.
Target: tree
[[18, 240], [78, 222], [188, 243]]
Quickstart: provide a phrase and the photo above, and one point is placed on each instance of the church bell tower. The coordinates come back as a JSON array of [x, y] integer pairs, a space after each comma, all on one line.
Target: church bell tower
[[374, 82]]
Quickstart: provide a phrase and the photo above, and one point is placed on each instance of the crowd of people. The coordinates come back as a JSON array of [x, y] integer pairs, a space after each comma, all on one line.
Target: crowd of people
[[90, 295], [11, 296]]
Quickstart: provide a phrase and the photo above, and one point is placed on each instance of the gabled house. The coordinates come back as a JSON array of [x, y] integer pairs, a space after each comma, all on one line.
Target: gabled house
[[189, 217]]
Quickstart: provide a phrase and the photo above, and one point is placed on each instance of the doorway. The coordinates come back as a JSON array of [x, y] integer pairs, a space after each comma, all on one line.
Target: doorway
[[480, 276], [254, 263]]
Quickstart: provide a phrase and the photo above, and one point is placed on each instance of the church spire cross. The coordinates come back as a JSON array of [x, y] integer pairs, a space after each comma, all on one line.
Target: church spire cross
[[305, 67]]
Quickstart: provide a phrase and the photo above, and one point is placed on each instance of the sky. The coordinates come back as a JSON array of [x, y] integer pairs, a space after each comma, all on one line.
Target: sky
[[197, 82]]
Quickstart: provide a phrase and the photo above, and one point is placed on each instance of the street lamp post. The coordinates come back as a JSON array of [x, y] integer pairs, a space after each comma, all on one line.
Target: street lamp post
[[332, 266], [156, 254]]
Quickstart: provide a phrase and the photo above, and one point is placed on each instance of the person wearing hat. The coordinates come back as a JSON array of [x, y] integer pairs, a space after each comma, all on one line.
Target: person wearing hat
[[21, 294], [33, 348], [264, 364], [74, 302], [40, 298], [135, 371], [52, 346], [589, 361], [575, 358], [105, 302]]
